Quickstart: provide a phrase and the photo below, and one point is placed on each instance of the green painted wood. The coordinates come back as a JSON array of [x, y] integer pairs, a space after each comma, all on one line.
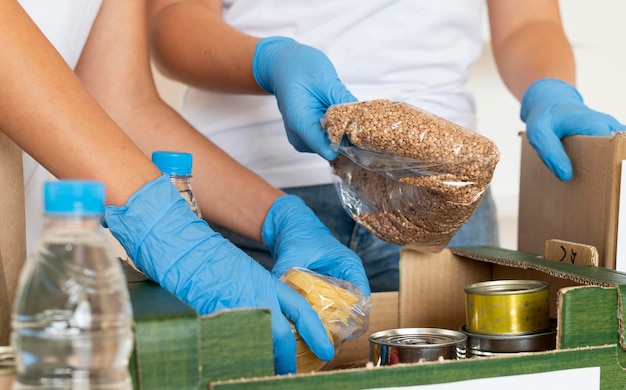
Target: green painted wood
[[612, 376], [150, 301], [589, 317], [133, 367], [176, 349], [236, 344], [166, 352]]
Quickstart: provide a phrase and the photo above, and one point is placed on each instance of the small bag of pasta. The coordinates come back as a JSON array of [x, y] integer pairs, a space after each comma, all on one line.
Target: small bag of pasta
[[342, 308]]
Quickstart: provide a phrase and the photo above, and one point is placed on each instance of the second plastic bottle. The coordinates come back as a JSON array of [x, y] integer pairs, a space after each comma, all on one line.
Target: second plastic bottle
[[178, 166]]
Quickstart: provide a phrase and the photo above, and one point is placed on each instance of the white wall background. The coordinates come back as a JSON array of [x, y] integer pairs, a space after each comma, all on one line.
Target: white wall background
[[599, 40]]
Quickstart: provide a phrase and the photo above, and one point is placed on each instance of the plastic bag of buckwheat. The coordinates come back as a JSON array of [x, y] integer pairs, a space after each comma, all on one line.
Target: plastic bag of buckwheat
[[410, 177]]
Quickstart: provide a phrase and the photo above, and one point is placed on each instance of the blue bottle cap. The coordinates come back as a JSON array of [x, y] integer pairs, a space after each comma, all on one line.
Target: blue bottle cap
[[74, 197], [173, 163]]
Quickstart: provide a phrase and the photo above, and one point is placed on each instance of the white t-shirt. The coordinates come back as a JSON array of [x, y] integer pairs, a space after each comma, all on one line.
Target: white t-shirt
[[66, 24], [416, 51]]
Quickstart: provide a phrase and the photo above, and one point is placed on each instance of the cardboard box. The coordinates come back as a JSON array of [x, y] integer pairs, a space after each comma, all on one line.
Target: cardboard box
[[233, 350], [12, 229], [583, 210], [176, 349]]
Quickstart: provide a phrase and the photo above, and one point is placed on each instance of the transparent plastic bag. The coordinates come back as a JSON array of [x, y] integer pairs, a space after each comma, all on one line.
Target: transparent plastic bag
[[408, 176], [342, 308]]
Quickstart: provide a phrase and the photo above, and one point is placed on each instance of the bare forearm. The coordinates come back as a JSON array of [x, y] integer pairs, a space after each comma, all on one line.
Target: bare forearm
[[533, 55], [45, 110], [227, 192], [191, 43], [531, 45]]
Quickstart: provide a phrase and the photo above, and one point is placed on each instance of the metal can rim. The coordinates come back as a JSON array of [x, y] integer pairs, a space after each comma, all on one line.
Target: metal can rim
[[456, 337], [499, 287], [508, 336], [486, 345]]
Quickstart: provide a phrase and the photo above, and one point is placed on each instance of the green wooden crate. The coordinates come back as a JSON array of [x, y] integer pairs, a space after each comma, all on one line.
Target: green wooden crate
[[177, 349], [233, 349]]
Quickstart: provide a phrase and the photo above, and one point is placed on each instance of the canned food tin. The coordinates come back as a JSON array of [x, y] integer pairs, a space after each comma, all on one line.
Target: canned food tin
[[507, 307], [7, 362], [413, 345], [482, 345]]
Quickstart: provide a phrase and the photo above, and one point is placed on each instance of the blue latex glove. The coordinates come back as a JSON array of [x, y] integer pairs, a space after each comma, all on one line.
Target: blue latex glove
[[297, 238], [552, 110], [179, 251], [305, 84]]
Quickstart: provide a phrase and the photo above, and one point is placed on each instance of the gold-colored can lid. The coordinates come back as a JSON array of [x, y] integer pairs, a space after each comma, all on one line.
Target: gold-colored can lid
[[506, 287]]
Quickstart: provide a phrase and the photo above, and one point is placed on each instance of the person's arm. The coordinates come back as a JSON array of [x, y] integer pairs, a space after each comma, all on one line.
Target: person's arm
[[536, 63], [115, 67], [193, 44], [45, 110], [39, 96], [121, 81], [529, 43], [219, 55]]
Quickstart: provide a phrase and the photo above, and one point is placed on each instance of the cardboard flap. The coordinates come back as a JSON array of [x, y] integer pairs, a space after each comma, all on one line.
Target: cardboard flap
[[584, 209], [421, 274], [5, 323], [582, 274], [620, 313], [384, 315], [12, 228]]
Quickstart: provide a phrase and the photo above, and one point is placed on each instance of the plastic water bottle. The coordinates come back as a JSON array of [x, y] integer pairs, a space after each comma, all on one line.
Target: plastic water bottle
[[178, 166], [72, 318]]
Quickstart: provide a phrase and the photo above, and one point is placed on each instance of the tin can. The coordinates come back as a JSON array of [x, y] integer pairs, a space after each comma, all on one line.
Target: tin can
[[414, 345], [7, 361], [482, 345], [507, 307]]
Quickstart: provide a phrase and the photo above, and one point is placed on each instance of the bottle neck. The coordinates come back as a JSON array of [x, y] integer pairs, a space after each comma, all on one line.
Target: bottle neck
[[181, 182]]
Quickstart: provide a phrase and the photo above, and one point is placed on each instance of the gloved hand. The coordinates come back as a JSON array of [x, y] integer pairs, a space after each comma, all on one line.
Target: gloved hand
[[305, 84], [553, 109], [179, 251], [297, 238]]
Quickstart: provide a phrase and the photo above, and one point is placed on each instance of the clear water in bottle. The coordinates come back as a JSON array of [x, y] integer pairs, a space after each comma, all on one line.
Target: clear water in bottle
[[72, 316], [182, 184], [178, 166]]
